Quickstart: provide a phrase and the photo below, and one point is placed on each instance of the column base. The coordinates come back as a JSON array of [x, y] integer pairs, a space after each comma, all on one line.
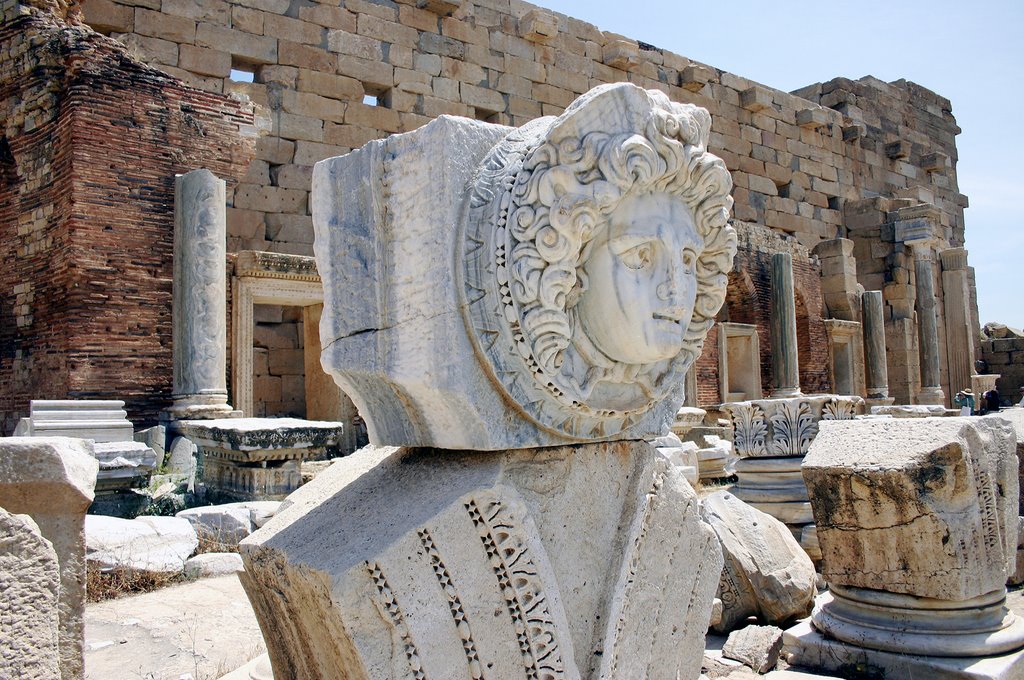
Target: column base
[[201, 407], [805, 646], [906, 624], [878, 401], [786, 392], [931, 396]]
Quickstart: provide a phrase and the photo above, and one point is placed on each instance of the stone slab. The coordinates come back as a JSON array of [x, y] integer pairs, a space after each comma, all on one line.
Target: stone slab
[[804, 646]]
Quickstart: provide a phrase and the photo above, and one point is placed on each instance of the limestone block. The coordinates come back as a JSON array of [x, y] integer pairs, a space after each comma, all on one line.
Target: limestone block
[[680, 453], [758, 647], [148, 544], [897, 149], [463, 239], [461, 563], [52, 480], [766, 573], [756, 98], [812, 118], [923, 507], [538, 25], [622, 54], [229, 523], [213, 564], [694, 77], [30, 583]]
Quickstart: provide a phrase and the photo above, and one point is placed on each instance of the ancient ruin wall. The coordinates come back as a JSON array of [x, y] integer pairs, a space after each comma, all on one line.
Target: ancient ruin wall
[[794, 159], [92, 141]]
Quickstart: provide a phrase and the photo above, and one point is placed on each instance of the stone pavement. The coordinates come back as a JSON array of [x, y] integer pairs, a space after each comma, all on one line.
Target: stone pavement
[[198, 631], [205, 629]]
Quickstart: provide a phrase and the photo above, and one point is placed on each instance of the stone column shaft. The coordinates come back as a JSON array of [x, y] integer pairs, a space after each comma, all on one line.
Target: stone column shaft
[[785, 361], [874, 345], [960, 329], [927, 328], [199, 315]]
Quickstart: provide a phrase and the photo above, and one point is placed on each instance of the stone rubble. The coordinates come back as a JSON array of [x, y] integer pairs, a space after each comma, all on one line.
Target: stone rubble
[[758, 647]]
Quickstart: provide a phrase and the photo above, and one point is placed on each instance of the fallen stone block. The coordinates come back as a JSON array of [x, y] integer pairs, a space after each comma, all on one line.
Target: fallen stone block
[[766, 574], [213, 564], [758, 647], [147, 544], [229, 523], [30, 583]]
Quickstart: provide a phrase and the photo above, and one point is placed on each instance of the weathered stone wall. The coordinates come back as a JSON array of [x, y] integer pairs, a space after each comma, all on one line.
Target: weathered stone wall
[[317, 67], [1005, 356], [794, 160], [91, 143]]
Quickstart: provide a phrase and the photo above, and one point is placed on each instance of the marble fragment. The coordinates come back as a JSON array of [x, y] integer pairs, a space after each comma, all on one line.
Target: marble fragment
[[758, 647], [498, 564], [766, 573]]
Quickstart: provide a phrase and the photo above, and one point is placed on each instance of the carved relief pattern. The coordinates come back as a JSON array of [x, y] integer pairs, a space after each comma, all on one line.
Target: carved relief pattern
[[793, 428], [389, 605], [636, 551], [520, 586], [535, 205], [454, 605], [839, 409], [751, 429]]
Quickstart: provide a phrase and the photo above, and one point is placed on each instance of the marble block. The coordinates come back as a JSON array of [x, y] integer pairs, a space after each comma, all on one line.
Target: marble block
[[51, 479], [492, 288], [250, 459], [766, 573], [567, 562], [923, 507]]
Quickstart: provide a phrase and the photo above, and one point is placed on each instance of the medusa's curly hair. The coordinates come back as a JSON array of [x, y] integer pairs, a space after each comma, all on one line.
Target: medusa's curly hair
[[566, 190]]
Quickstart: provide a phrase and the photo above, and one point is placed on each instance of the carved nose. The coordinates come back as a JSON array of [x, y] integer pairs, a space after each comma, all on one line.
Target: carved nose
[[671, 287]]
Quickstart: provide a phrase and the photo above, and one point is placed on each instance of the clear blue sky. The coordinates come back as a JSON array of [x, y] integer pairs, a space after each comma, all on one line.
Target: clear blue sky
[[970, 53]]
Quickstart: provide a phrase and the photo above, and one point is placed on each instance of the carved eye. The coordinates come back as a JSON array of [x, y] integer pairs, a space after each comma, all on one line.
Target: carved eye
[[638, 257], [689, 259]]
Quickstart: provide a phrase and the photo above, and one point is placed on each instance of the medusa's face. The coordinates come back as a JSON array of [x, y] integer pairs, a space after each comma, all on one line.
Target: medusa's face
[[641, 280]]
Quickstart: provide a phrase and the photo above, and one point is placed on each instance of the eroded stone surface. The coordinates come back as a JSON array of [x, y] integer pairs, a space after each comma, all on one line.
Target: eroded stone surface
[[594, 554], [148, 544], [766, 573], [52, 480], [925, 507], [591, 256], [756, 646], [30, 583]]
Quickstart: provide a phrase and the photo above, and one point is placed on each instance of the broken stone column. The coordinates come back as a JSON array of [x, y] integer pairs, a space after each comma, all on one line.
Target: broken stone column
[[51, 479], [523, 304], [917, 521], [199, 314], [29, 626], [785, 361], [874, 349]]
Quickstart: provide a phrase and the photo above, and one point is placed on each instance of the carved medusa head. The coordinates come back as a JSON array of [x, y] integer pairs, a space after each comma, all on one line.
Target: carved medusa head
[[607, 232]]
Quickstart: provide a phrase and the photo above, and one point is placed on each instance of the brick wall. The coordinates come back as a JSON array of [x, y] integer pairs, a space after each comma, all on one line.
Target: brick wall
[[93, 140], [749, 301]]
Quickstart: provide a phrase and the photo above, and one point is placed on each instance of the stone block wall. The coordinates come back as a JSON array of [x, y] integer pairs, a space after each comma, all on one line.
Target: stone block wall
[[91, 141], [319, 68], [1005, 356]]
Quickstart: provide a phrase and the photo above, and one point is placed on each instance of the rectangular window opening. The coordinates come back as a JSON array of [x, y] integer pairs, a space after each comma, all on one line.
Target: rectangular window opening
[[242, 72], [374, 95], [487, 116]]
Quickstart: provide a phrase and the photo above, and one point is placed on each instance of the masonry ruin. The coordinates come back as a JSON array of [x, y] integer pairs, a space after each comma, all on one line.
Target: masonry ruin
[[870, 162], [157, 210]]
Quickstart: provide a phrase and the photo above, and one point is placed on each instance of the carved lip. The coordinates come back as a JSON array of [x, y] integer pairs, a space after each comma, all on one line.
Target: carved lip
[[673, 314]]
